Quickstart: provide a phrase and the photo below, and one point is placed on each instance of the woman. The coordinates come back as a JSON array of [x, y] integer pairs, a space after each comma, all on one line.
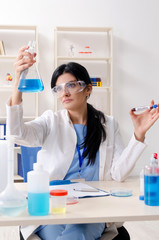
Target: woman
[[77, 142]]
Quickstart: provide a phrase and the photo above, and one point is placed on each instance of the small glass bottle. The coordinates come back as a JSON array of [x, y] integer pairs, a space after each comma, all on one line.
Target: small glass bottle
[[58, 201], [30, 80], [141, 197], [38, 191], [151, 182]]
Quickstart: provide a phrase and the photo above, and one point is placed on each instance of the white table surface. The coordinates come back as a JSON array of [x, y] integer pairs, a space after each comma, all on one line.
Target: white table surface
[[93, 210]]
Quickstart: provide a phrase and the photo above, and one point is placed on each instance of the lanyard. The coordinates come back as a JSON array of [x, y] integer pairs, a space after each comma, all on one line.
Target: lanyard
[[80, 157]]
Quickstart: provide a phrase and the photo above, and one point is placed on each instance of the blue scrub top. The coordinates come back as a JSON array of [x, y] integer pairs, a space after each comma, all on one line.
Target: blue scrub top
[[90, 172]]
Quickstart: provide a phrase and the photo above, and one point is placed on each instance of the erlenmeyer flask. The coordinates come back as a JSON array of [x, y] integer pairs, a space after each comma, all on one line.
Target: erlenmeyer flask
[[12, 201], [30, 80]]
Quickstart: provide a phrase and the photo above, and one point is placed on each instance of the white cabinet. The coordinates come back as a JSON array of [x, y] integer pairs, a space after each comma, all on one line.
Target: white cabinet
[[92, 48], [14, 37]]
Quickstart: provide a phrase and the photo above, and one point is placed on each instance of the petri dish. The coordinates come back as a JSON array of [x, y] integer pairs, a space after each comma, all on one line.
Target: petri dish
[[121, 192], [71, 200]]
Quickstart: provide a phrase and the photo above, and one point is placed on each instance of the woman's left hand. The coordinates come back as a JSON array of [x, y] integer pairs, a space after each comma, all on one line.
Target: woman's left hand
[[142, 122]]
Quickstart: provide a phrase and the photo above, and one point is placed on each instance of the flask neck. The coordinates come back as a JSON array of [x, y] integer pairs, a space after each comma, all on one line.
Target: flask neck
[[31, 45]]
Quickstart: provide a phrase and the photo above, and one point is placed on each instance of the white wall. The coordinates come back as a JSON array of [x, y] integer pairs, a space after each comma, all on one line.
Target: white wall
[[136, 49]]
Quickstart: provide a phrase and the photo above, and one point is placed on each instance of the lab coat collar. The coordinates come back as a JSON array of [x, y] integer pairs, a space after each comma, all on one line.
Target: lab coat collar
[[68, 117]]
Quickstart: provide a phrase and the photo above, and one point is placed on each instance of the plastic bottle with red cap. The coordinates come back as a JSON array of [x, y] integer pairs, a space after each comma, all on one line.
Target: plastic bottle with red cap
[[151, 182], [58, 201]]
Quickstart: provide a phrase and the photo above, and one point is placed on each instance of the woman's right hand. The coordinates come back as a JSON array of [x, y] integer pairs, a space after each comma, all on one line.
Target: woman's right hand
[[23, 60]]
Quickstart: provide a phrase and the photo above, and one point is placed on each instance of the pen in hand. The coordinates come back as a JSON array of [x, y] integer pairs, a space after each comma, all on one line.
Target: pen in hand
[[138, 109]]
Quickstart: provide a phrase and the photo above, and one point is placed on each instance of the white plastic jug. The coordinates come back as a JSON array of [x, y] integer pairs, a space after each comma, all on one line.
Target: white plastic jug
[[38, 191]]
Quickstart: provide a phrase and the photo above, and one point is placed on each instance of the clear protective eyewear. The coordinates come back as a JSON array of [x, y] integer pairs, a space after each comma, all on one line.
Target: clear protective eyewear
[[71, 87]]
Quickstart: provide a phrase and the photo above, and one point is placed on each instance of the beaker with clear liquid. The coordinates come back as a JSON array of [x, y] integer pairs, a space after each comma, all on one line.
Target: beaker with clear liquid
[[12, 201], [30, 80]]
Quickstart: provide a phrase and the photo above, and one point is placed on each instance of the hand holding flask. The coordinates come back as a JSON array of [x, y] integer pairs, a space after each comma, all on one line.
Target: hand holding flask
[[30, 80]]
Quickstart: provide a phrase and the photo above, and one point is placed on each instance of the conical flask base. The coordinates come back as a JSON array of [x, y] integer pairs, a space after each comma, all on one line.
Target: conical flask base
[[30, 85], [12, 201]]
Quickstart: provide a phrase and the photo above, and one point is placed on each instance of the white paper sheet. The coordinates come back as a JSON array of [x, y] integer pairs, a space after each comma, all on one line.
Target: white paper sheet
[[80, 190]]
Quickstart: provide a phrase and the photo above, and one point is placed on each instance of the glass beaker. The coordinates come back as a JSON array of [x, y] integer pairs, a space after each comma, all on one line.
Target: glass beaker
[[30, 80]]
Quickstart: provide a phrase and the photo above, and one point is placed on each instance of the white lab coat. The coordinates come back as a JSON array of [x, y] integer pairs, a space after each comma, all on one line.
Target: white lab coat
[[56, 134]]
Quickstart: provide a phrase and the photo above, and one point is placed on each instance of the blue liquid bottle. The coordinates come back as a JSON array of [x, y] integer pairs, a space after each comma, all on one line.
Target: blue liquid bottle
[[38, 191], [151, 182], [30, 80]]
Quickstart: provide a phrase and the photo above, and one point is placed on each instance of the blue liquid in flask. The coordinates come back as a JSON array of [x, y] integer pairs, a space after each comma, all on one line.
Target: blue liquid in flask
[[38, 204], [30, 85]]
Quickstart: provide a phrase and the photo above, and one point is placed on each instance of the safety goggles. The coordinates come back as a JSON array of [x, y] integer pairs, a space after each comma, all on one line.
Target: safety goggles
[[71, 87]]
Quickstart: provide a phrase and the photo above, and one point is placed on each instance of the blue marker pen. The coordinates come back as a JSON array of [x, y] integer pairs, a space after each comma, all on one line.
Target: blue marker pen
[[137, 109]]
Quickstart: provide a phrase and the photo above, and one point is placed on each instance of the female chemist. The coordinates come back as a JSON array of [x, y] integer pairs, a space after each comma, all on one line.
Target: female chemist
[[77, 142]]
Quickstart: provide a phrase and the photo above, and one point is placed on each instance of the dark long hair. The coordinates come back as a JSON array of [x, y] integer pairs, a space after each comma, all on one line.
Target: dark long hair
[[95, 119]]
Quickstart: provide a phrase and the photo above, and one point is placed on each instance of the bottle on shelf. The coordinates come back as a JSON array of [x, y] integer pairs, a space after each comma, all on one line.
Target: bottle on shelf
[[38, 191], [9, 79], [151, 182], [71, 51], [30, 80]]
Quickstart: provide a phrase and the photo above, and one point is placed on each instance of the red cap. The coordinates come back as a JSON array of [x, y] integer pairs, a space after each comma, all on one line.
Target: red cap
[[155, 156], [58, 192]]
